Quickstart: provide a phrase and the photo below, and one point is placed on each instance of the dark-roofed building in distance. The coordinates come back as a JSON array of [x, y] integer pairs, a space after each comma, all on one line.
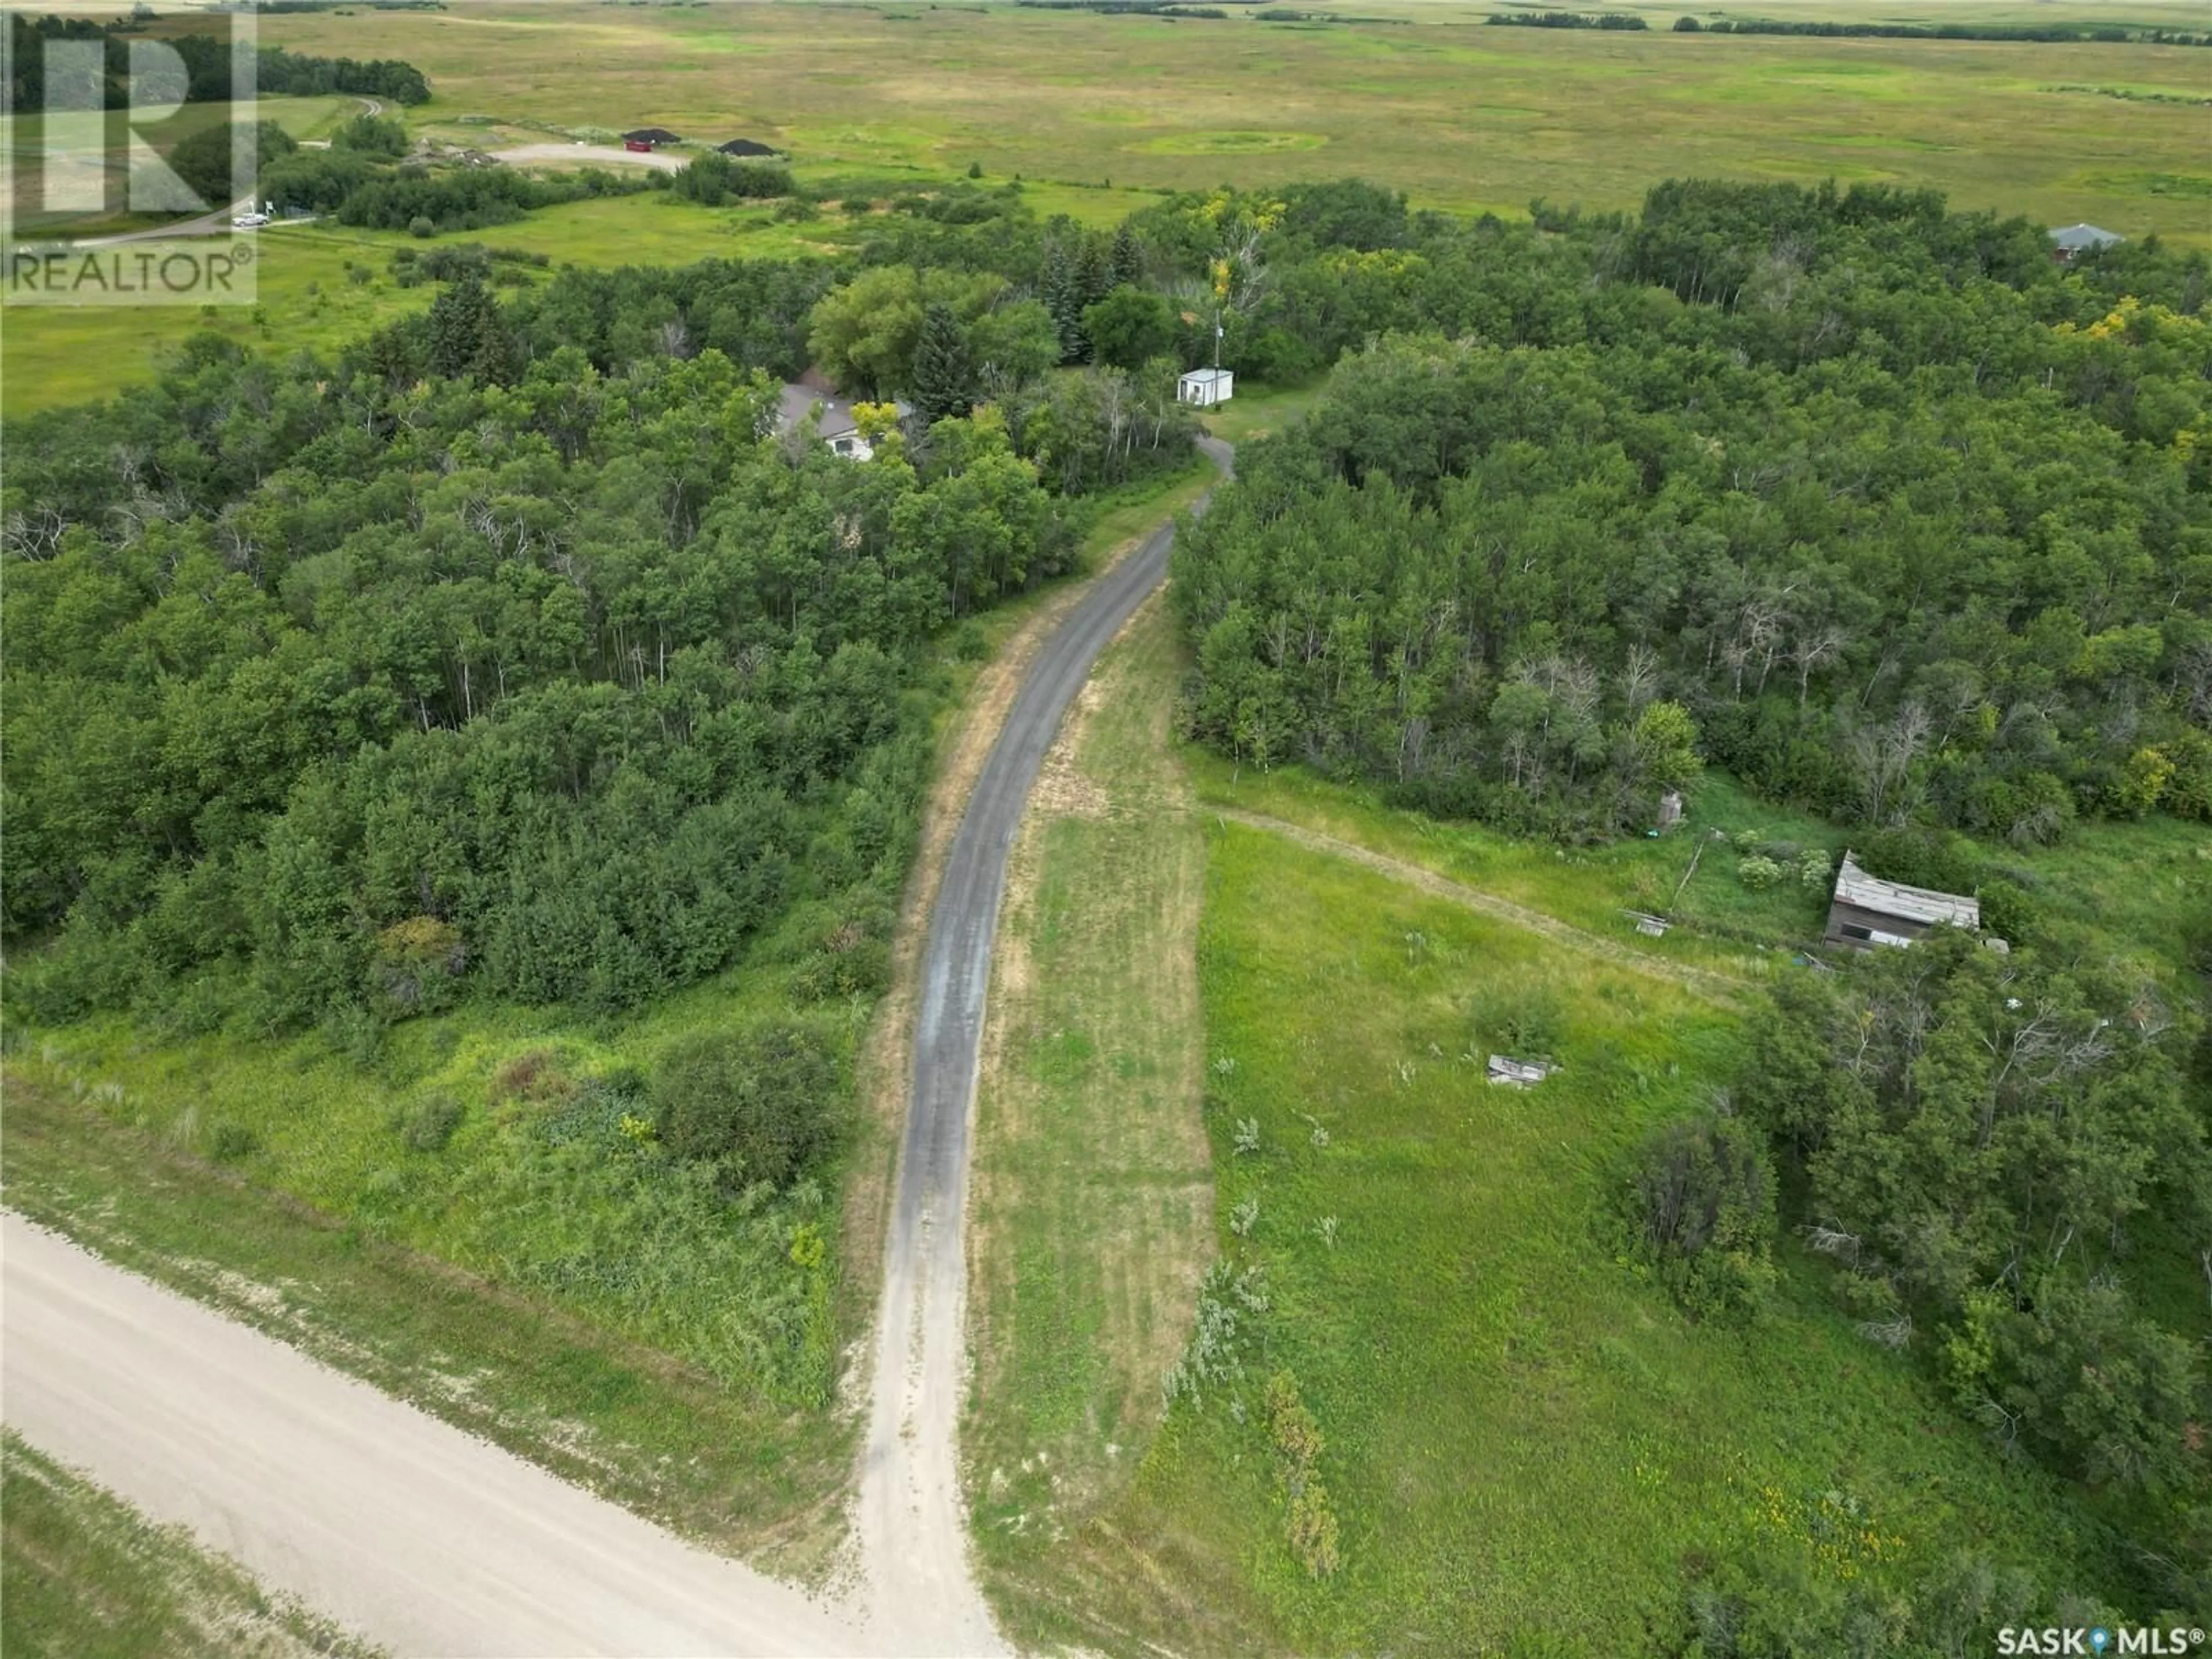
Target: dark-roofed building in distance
[[1868, 910], [743, 147], [2071, 241], [647, 139]]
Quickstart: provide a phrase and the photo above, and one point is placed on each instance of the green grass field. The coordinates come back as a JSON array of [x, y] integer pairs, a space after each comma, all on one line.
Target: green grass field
[[82, 1575], [1526, 1444], [1456, 113]]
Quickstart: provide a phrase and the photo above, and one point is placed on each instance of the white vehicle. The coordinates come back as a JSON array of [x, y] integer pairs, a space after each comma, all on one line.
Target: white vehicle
[[250, 220]]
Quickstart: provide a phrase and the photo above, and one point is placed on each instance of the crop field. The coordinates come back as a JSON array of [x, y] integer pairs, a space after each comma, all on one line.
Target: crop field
[[1428, 100], [1522, 1440]]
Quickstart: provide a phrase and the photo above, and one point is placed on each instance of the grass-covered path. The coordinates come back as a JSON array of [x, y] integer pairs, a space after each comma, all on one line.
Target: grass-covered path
[[1710, 981]]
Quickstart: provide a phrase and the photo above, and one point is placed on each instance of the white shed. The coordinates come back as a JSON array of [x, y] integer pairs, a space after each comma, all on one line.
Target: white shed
[[1206, 386]]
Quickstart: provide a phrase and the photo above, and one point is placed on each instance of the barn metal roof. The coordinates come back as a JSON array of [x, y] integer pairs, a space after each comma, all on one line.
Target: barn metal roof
[[1893, 898]]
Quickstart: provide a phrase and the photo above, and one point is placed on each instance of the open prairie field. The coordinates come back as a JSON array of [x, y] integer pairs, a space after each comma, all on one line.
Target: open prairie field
[[1425, 97], [1523, 1442]]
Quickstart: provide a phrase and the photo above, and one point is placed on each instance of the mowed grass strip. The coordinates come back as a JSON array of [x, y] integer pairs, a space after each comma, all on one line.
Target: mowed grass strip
[[1527, 1445], [1092, 1212], [84, 1576]]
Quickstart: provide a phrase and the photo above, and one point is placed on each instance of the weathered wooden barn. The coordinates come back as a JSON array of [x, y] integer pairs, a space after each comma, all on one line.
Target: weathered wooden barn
[[1867, 910]]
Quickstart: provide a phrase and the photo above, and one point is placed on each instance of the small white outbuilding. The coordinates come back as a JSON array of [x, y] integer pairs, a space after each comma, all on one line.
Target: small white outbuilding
[[1206, 386]]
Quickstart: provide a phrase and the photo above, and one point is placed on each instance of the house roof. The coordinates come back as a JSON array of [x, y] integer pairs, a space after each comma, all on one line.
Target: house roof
[[1208, 376], [653, 135], [1893, 898], [2084, 236], [746, 147], [833, 416], [795, 402]]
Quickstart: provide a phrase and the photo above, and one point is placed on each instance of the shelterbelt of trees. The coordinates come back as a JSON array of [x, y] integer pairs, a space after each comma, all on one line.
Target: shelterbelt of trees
[[1869, 502], [515, 654], [208, 63]]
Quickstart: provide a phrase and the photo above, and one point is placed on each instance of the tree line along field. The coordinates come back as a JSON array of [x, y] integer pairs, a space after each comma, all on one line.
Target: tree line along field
[[1456, 113], [323, 285]]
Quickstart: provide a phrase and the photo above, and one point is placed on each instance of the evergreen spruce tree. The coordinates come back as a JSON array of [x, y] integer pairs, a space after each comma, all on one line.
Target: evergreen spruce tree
[[460, 319], [943, 379], [1127, 262], [392, 358], [1093, 280], [1064, 299]]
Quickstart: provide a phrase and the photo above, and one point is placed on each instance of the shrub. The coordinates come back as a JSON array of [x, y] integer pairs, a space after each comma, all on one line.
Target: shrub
[[1521, 1020], [759, 1101], [2009, 910], [533, 1076], [421, 225], [428, 1124], [1918, 857], [231, 1141], [1703, 1199], [1758, 872], [418, 961]]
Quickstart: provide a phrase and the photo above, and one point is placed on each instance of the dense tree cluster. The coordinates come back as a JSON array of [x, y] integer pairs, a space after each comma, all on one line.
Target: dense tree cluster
[[1988, 1146], [1872, 503], [715, 178], [329, 685], [208, 66], [1568, 20]]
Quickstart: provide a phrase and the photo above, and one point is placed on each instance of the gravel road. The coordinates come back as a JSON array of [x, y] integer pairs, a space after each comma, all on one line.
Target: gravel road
[[423, 1538], [912, 1522]]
